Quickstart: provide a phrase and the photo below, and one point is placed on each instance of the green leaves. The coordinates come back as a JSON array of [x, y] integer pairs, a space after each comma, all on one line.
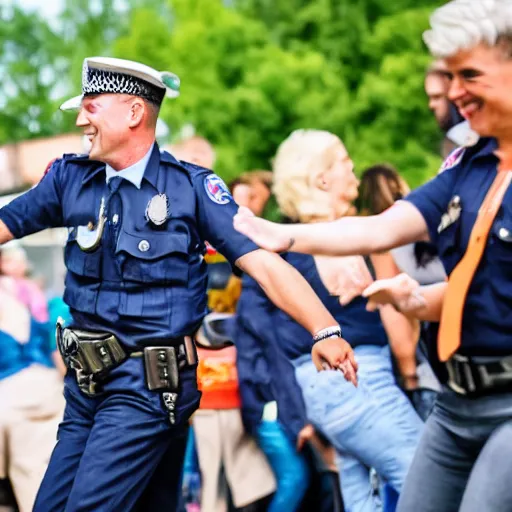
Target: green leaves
[[251, 71]]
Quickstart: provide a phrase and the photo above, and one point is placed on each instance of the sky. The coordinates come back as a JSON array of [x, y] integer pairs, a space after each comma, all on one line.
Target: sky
[[49, 9]]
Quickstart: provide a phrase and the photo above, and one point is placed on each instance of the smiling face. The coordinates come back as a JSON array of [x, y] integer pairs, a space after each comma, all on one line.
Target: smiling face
[[107, 121], [480, 88]]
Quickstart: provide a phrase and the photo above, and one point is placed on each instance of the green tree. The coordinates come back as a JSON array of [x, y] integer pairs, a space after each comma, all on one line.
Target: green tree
[[30, 68], [239, 88]]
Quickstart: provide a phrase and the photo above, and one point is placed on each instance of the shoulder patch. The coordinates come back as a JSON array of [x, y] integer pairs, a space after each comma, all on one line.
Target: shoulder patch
[[453, 159], [216, 189]]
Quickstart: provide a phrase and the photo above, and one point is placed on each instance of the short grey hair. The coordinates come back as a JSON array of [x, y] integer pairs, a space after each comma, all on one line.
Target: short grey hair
[[463, 24]]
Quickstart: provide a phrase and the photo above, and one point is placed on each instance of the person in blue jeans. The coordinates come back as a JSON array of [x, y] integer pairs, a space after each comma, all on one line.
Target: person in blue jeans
[[373, 425]]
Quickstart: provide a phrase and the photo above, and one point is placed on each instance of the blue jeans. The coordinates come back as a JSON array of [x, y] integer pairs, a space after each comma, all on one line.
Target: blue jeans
[[373, 425], [464, 459], [289, 466]]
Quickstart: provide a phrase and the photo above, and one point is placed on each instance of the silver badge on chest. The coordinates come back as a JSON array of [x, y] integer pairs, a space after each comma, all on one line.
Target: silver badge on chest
[[452, 214], [158, 210]]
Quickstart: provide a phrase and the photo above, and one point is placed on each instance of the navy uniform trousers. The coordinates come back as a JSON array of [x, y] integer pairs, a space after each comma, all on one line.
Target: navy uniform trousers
[[117, 451]]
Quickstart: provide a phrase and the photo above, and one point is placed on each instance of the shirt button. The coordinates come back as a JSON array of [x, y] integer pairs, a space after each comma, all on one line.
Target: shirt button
[[504, 233], [144, 246], [115, 219]]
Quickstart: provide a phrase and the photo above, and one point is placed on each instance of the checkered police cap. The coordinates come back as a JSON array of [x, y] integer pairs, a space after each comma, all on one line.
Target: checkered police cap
[[102, 75]]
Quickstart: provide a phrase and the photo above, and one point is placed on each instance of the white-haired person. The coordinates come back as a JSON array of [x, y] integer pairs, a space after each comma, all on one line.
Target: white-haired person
[[373, 426], [464, 460]]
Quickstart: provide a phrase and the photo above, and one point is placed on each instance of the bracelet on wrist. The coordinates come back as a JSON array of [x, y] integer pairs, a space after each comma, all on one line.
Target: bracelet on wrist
[[328, 332]]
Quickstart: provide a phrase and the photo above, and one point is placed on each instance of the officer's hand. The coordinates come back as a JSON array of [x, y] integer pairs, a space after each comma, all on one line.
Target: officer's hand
[[345, 277], [335, 354], [267, 235], [401, 291], [305, 435]]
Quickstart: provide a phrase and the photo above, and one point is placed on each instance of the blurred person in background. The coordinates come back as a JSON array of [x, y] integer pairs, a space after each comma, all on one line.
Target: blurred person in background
[[31, 401], [380, 187], [272, 406], [455, 128], [226, 452], [194, 149], [253, 190], [373, 425]]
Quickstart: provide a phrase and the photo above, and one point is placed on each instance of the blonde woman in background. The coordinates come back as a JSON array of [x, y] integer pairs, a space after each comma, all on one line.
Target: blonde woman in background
[[374, 425]]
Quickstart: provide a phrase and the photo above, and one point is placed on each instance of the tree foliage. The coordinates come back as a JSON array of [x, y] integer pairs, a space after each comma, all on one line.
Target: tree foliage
[[251, 70]]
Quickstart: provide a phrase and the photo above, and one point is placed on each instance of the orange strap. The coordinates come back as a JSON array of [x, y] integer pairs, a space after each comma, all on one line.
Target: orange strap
[[450, 328]]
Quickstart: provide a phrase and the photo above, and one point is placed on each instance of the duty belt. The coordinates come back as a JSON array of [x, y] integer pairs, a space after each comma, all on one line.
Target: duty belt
[[92, 355], [479, 376]]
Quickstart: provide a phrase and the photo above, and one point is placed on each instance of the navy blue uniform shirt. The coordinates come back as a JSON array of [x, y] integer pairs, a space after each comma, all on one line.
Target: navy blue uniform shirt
[[144, 283], [360, 327], [487, 318]]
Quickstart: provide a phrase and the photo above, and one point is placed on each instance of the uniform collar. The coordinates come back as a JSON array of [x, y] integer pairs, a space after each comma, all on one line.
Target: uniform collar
[[485, 147], [150, 172], [134, 173]]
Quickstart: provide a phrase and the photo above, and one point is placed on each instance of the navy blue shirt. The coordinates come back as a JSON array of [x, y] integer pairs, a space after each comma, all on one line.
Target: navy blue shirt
[[144, 283], [487, 317], [264, 372], [359, 326]]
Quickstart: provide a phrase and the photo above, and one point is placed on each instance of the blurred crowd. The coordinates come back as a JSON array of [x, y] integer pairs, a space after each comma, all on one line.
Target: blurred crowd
[[271, 433]]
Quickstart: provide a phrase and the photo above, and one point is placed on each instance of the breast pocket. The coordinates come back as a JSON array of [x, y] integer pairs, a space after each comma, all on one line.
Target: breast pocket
[[154, 257], [84, 264], [500, 243], [83, 280]]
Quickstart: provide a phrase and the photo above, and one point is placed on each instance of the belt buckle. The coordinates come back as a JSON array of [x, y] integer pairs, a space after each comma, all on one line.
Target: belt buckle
[[460, 375]]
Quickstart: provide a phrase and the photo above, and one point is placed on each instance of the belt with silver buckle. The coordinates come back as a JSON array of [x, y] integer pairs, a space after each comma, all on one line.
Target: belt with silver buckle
[[479, 376]]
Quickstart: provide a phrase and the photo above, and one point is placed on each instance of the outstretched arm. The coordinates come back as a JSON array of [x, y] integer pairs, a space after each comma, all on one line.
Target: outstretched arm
[[401, 224]]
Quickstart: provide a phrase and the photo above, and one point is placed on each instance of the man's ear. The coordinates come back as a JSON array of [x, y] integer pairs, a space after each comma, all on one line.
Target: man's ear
[[137, 111]]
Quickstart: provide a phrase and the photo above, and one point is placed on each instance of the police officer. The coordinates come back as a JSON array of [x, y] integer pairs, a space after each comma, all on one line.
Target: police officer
[[136, 282], [464, 460]]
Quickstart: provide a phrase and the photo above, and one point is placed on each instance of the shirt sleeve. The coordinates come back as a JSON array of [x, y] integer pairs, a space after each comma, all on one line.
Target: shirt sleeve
[[216, 209], [433, 198], [37, 209]]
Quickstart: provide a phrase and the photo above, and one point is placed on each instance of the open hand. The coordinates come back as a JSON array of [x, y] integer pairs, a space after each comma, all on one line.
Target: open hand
[[268, 235], [401, 291], [344, 276]]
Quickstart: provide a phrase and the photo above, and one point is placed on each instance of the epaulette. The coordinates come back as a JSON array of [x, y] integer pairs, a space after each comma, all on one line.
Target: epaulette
[[77, 157]]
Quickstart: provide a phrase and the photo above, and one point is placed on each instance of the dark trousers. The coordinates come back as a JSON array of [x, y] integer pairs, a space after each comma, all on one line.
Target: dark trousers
[[117, 451], [464, 458]]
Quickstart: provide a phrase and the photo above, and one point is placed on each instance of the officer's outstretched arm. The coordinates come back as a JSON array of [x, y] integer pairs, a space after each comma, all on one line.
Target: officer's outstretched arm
[[5, 234], [401, 224], [289, 291]]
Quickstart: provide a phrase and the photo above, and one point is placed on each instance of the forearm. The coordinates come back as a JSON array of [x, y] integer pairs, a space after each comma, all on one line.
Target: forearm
[[399, 225], [434, 297], [287, 289], [403, 335], [5, 234]]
